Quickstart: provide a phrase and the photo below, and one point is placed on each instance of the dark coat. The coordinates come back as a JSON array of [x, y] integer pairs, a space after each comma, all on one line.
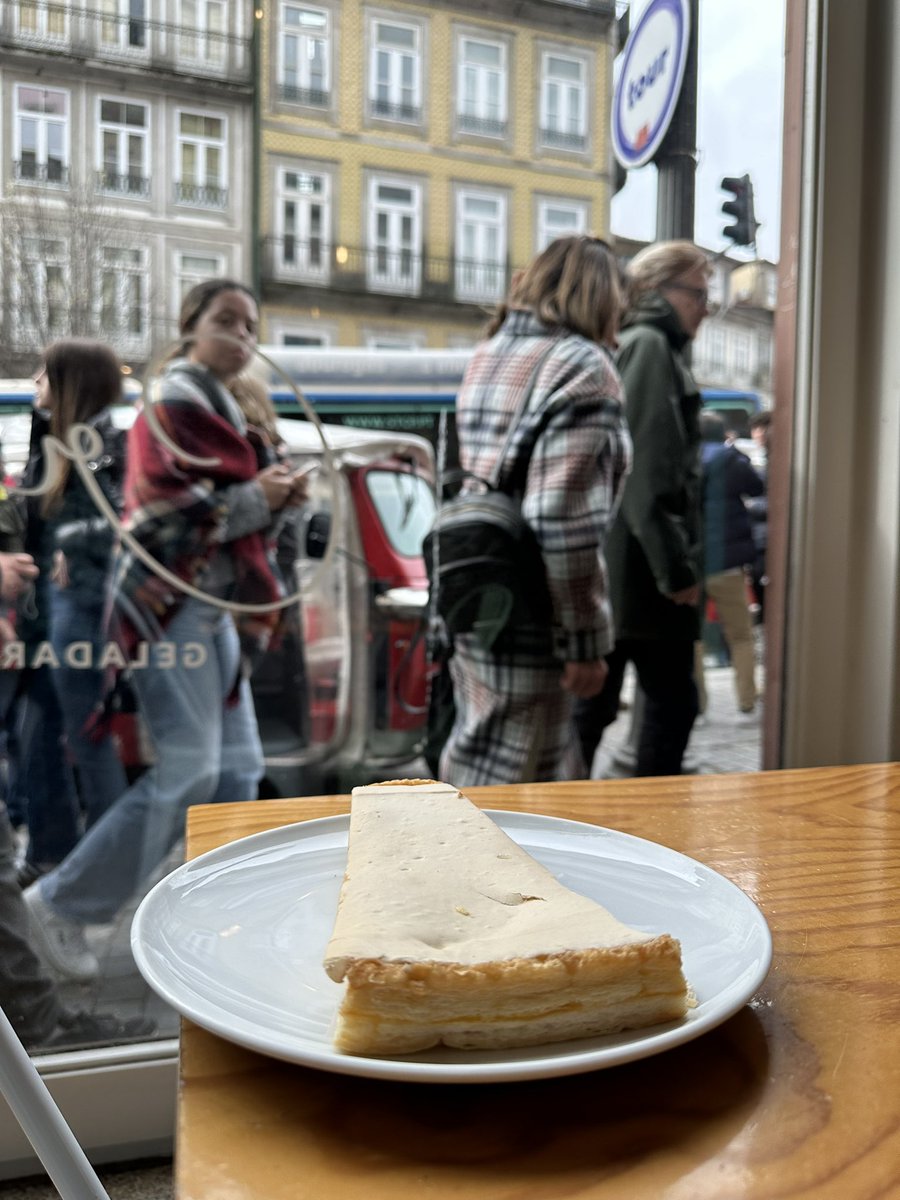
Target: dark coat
[[76, 526], [654, 548], [728, 476]]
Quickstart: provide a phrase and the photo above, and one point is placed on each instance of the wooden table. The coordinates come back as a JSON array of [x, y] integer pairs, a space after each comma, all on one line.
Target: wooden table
[[796, 1096]]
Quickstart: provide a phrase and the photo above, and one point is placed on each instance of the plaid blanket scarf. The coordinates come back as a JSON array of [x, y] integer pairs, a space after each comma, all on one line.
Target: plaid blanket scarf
[[176, 511]]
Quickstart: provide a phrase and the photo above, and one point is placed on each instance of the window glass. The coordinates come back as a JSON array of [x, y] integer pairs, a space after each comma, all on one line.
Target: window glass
[[405, 506]]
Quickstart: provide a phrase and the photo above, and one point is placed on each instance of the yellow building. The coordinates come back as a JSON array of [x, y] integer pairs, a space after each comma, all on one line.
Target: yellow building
[[412, 155]]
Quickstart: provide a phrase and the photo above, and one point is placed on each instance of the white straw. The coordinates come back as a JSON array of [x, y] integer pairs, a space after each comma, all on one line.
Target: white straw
[[42, 1122]]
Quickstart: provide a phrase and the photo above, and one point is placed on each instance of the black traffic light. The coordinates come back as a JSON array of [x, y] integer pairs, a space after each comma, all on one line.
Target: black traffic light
[[743, 229]]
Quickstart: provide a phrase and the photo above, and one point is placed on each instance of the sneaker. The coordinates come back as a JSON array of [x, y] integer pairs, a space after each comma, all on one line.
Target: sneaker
[[747, 716], [60, 942], [76, 1030]]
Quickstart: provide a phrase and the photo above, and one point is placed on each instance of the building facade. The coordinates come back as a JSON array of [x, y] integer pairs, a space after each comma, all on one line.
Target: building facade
[[126, 129], [412, 155]]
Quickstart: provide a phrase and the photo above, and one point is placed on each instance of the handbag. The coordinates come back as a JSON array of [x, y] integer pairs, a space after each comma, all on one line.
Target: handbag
[[485, 568]]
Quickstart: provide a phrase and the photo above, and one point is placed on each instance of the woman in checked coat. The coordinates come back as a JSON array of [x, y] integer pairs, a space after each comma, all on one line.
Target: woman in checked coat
[[567, 460]]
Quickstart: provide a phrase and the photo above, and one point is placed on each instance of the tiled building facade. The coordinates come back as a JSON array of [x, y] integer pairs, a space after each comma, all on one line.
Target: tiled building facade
[[413, 154]]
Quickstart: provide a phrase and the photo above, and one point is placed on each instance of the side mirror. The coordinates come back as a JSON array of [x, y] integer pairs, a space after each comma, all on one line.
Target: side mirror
[[318, 531]]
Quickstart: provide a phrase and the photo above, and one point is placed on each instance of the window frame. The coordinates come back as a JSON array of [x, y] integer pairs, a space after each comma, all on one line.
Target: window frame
[[306, 96], [553, 139], [205, 142], [478, 123], [305, 272], [122, 131], [43, 120], [378, 281], [200, 34], [124, 339], [42, 10], [125, 23], [462, 290], [541, 228], [394, 113]]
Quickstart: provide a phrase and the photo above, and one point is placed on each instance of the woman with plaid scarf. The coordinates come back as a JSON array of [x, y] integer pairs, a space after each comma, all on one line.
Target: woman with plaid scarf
[[198, 505], [546, 366]]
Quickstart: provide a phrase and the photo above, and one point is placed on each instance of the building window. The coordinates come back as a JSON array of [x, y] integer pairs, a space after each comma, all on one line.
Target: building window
[[304, 53], [200, 169], [559, 218], [401, 340], [42, 306], [42, 135], [304, 222], [192, 268], [764, 356], [123, 148], [481, 87], [480, 246], [123, 295], [123, 24], [394, 254], [716, 340], [42, 19], [395, 72], [742, 353], [563, 102], [202, 31]]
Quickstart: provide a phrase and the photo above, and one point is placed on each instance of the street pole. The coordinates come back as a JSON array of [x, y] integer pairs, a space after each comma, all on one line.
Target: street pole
[[676, 164]]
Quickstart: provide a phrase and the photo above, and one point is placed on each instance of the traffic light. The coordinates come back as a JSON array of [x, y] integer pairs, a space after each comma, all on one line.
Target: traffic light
[[743, 229]]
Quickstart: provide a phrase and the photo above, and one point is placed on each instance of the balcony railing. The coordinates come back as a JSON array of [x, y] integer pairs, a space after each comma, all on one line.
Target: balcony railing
[[55, 174], [560, 140], [386, 111], [90, 32], [383, 271], [122, 185], [312, 97], [201, 195], [483, 126]]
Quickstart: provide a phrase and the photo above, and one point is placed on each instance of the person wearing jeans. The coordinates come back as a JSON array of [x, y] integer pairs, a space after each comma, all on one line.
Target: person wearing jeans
[[196, 502]]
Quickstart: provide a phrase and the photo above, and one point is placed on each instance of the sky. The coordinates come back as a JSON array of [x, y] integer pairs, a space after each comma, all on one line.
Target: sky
[[739, 109]]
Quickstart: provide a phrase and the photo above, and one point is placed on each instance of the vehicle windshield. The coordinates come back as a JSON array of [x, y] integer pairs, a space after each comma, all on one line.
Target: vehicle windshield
[[405, 505]]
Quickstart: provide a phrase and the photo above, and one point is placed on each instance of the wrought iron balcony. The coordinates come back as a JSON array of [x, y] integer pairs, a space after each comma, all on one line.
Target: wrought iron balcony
[[54, 173], [94, 33], [560, 140], [483, 126], [312, 97], [122, 185], [201, 195], [386, 111], [382, 271]]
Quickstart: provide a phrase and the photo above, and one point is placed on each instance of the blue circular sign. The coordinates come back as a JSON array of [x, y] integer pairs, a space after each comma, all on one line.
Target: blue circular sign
[[649, 81]]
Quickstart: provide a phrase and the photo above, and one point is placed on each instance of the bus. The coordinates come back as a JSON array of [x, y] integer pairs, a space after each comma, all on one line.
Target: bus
[[408, 390]]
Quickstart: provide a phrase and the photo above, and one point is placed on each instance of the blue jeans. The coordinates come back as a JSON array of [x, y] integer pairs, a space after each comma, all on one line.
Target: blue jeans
[[207, 750], [45, 777], [101, 776]]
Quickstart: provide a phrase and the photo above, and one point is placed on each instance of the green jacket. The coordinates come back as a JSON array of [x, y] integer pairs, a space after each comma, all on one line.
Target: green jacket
[[654, 548]]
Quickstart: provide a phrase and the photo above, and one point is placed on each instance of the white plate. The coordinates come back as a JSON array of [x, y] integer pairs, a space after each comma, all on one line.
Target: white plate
[[235, 939]]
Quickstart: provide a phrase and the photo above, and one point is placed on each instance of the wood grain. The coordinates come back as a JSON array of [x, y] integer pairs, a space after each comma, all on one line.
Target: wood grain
[[796, 1096]]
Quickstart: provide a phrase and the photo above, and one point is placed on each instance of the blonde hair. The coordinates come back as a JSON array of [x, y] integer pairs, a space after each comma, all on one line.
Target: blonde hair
[[661, 263], [573, 284], [256, 404]]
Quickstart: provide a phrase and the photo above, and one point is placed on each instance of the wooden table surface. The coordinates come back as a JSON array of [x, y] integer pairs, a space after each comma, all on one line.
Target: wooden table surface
[[798, 1095]]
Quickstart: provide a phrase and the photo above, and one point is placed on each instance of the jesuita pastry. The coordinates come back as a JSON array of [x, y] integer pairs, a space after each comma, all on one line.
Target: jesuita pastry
[[448, 932]]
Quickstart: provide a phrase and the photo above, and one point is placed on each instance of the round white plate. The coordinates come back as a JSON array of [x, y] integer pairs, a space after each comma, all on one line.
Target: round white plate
[[235, 939]]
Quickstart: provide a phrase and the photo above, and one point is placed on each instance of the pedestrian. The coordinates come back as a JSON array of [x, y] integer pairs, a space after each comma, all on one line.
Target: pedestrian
[[654, 553], [72, 542], [546, 372], [758, 507], [728, 553], [197, 502]]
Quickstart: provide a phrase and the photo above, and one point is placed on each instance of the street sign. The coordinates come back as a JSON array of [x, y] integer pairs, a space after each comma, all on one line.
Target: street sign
[[649, 81]]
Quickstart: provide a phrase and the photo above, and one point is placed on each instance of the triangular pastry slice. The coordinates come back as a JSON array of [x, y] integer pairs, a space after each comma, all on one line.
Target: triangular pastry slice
[[448, 932]]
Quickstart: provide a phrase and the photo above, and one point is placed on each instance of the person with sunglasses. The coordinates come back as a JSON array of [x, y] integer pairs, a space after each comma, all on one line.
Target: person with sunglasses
[[654, 551]]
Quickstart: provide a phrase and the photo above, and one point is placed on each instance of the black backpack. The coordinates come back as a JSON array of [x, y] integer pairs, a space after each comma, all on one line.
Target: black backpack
[[485, 567]]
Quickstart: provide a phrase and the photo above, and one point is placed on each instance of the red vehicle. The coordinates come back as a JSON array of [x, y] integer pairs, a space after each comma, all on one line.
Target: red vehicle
[[349, 697]]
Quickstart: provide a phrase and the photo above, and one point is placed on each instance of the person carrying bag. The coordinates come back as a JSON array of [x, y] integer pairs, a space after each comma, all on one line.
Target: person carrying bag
[[539, 421]]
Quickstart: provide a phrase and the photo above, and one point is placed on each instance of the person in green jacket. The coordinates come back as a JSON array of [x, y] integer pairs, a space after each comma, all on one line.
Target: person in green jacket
[[654, 554]]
